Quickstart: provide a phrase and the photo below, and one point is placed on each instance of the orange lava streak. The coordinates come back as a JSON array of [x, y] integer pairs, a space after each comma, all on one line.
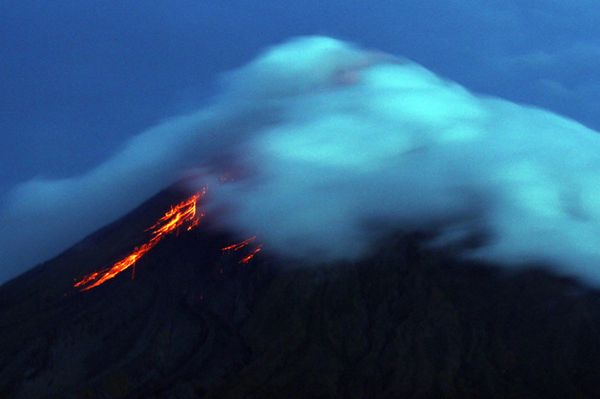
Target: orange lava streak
[[88, 278], [246, 259], [239, 245], [184, 213]]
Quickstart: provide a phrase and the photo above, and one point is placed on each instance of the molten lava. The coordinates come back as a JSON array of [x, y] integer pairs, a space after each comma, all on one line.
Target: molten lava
[[246, 259], [241, 245], [185, 214]]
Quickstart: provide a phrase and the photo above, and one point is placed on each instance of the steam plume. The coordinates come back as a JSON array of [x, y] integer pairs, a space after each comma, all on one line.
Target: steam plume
[[342, 144]]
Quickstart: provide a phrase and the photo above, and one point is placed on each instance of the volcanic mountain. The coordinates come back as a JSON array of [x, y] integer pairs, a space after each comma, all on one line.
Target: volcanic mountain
[[195, 322]]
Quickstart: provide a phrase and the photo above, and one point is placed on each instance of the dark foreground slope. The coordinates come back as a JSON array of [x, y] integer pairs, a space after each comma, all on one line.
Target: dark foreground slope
[[404, 323]]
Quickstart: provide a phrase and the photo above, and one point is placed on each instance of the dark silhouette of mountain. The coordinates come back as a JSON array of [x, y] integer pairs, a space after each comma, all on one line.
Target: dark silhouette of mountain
[[406, 322]]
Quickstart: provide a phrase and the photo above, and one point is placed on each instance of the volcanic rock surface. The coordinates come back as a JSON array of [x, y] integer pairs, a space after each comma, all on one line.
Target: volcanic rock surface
[[406, 322]]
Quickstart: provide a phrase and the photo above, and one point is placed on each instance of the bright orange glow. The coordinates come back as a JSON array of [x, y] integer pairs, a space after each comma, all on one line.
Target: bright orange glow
[[89, 277], [184, 214], [239, 245], [246, 259]]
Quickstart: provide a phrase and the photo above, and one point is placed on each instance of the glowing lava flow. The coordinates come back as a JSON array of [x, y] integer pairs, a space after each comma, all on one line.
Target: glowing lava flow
[[183, 214], [239, 245], [243, 244], [246, 259]]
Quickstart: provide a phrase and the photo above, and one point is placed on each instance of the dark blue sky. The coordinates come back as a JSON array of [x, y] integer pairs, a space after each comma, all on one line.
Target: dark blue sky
[[77, 78]]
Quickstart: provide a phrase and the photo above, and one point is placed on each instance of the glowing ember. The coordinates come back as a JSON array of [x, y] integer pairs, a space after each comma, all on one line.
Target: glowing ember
[[246, 259], [239, 245], [184, 214]]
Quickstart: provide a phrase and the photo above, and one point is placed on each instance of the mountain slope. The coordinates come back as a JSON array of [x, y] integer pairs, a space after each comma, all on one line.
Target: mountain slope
[[405, 322]]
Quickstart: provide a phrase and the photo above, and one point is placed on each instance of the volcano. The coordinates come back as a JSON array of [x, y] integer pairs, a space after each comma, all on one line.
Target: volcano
[[196, 322]]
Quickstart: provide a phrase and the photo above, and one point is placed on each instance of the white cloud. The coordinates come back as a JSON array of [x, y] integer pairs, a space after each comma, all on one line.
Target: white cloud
[[344, 144]]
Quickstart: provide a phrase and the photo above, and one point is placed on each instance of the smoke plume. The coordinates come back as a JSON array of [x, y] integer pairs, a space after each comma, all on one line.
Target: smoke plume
[[340, 145]]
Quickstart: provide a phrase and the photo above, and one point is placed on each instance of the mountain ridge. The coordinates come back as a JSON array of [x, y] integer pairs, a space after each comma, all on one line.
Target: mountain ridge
[[406, 321]]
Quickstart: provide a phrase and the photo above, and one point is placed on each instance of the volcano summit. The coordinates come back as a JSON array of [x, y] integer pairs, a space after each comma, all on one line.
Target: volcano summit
[[369, 229], [332, 147]]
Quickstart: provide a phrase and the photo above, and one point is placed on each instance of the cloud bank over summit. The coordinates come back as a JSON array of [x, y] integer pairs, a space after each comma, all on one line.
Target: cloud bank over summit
[[342, 144]]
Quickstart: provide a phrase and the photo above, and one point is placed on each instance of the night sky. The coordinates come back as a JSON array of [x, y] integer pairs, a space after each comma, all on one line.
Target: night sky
[[78, 78]]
